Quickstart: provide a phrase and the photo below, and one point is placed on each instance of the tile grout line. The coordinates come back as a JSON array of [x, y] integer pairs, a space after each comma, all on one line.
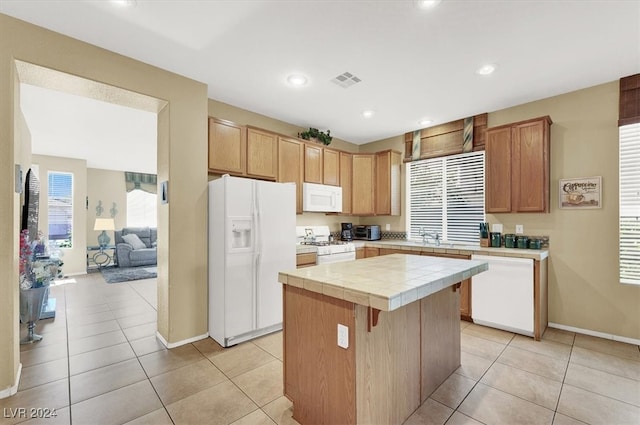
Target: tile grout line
[[66, 325], [564, 377]]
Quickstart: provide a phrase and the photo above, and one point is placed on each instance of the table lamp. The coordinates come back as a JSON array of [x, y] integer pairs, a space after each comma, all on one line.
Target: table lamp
[[103, 224]]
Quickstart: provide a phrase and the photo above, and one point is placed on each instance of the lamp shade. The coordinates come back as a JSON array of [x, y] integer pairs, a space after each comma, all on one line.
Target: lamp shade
[[104, 224]]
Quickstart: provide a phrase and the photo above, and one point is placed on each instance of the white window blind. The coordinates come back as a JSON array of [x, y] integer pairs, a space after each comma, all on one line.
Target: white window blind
[[60, 202], [142, 209], [629, 236], [446, 196]]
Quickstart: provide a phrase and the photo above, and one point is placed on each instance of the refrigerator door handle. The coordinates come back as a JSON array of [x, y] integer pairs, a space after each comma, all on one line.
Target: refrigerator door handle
[[258, 249]]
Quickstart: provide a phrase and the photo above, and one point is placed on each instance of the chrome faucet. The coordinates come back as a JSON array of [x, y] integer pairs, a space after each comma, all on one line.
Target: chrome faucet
[[425, 235]]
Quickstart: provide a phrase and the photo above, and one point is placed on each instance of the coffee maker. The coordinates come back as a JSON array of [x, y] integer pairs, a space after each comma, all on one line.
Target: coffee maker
[[347, 232]]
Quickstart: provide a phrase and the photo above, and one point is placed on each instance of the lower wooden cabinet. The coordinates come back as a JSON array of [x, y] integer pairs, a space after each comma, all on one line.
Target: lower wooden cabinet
[[465, 287], [360, 253], [306, 259]]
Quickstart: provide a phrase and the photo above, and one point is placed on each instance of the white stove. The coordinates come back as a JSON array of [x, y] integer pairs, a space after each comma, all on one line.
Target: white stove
[[328, 250]]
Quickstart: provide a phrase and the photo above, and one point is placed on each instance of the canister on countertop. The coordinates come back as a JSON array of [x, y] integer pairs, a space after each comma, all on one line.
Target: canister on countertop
[[535, 244], [522, 242], [496, 239], [510, 240]]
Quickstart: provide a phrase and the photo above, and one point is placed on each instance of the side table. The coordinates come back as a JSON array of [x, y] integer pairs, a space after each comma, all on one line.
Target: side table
[[100, 256]]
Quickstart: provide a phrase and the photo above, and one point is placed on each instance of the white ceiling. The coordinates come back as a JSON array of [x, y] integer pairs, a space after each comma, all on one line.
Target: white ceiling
[[413, 63]]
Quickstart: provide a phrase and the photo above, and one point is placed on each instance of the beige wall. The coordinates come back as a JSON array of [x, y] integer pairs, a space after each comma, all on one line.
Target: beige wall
[[182, 160], [75, 260], [107, 186], [584, 289]]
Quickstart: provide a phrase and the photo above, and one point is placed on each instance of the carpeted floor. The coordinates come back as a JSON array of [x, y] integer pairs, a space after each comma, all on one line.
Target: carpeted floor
[[125, 274]]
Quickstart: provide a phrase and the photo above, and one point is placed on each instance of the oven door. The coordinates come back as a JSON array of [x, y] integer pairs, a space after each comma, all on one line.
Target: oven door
[[336, 258]]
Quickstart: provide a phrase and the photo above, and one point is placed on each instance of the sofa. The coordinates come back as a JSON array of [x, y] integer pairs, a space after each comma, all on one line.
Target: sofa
[[136, 246]]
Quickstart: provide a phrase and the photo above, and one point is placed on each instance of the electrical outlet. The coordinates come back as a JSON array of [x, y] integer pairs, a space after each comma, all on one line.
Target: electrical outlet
[[387, 227], [519, 229], [343, 336], [496, 228]]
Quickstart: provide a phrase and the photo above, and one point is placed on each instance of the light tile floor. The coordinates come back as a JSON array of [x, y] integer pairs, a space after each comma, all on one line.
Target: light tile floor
[[100, 363]]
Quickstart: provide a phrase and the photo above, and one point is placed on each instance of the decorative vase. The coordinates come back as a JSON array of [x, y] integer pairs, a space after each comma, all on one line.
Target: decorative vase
[[31, 301]]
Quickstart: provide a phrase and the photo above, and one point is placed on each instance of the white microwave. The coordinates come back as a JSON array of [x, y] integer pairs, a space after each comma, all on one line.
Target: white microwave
[[321, 198]]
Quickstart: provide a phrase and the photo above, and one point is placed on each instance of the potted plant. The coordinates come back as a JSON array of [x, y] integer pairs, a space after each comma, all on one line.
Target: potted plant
[[317, 135]]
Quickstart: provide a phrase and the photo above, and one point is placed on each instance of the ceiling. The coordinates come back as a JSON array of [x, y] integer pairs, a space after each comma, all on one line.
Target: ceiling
[[413, 63]]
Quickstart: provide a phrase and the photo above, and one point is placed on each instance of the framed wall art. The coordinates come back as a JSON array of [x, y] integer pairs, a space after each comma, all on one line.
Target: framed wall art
[[580, 193]]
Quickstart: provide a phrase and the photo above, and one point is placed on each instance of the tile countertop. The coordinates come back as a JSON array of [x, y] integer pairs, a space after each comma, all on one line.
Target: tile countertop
[[535, 254], [385, 282]]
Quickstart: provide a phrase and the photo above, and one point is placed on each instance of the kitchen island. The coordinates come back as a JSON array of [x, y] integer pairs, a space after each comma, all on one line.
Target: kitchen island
[[401, 313]]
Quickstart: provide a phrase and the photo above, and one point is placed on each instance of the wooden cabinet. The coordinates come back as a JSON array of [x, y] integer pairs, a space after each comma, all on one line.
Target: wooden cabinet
[[306, 259], [262, 154], [517, 167], [387, 196], [313, 163], [363, 185], [227, 147], [360, 253], [465, 285], [331, 168], [291, 160], [346, 181], [371, 252]]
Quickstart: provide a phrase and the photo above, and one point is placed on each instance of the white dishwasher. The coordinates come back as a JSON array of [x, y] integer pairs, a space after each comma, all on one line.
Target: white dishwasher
[[502, 297]]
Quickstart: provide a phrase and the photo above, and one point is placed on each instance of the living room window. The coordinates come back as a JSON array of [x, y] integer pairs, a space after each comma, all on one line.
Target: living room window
[[446, 196], [629, 222], [142, 209], [60, 203]]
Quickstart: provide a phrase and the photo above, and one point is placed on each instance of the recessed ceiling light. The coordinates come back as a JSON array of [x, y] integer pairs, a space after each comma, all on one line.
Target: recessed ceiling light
[[427, 4], [486, 69], [368, 113], [124, 3], [297, 80], [425, 122]]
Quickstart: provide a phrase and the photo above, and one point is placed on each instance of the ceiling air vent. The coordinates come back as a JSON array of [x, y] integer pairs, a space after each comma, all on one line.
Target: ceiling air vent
[[346, 79]]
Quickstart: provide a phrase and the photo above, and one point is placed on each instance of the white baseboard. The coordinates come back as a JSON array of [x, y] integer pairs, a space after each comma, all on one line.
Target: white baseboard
[[594, 333], [8, 392], [179, 343]]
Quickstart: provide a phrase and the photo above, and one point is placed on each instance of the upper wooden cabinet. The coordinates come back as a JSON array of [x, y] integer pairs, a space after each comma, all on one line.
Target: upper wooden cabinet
[[387, 193], [262, 154], [331, 167], [291, 160], [363, 184], [346, 181], [517, 167], [313, 163], [227, 147]]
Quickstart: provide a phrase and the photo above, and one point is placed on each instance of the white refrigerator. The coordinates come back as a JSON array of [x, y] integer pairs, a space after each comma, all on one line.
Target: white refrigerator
[[252, 236]]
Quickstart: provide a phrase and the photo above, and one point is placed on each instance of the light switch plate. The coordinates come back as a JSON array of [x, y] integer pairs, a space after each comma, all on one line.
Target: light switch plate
[[387, 227], [519, 229], [497, 228], [343, 336]]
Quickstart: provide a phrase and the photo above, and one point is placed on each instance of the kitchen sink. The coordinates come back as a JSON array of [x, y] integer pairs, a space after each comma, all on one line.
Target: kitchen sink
[[432, 244]]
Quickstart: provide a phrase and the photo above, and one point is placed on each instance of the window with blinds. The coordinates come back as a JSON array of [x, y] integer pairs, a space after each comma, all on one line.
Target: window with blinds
[[142, 209], [446, 196], [630, 204], [60, 202]]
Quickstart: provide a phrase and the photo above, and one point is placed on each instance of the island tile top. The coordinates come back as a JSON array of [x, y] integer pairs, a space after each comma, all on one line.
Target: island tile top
[[385, 282]]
